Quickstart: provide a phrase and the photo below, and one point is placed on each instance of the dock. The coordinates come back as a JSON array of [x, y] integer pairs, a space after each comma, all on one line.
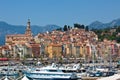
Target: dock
[[89, 78]]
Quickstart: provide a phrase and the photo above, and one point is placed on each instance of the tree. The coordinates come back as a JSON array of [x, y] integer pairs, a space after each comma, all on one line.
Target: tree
[[59, 29], [65, 28], [118, 39], [87, 28], [118, 29], [68, 27], [82, 27], [76, 25]]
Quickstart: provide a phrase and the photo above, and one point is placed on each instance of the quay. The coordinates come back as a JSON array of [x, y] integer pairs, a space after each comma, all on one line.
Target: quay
[[89, 78]]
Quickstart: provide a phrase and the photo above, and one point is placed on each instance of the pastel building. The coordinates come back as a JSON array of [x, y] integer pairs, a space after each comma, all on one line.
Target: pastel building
[[20, 38], [54, 50]]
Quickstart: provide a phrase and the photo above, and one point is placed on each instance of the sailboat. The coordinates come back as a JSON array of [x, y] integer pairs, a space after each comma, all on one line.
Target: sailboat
[[25, 78]]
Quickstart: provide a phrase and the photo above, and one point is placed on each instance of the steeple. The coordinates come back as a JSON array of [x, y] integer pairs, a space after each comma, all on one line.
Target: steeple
[[28, 30]]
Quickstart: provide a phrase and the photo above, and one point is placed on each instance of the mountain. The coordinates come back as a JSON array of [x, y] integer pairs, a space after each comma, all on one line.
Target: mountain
[[6, 28], [100, 25]]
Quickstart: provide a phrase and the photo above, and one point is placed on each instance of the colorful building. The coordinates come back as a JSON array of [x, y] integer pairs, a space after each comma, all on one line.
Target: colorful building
[[20, 38]]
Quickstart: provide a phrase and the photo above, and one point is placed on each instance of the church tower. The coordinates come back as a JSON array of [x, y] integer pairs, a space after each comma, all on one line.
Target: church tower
[[28, 30]]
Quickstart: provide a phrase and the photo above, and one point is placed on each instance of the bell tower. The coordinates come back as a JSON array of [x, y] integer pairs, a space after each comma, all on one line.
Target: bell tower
[[28, 30]]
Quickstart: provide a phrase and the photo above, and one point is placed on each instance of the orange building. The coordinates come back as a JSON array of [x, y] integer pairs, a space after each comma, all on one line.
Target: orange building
[[54, 50], [35, 50], [20, 38]]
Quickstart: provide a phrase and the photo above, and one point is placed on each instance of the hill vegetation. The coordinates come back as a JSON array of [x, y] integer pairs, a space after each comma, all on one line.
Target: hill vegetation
[[108, 33]]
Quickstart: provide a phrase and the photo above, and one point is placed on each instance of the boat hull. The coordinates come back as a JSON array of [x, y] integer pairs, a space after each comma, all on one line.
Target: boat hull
[[50, 79], [39, 76]]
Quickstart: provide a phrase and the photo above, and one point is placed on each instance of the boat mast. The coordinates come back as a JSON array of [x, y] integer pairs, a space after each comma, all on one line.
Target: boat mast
[[93, 56], [110, 56]]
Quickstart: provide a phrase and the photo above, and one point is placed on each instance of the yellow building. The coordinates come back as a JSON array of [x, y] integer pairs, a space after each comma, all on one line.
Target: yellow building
[[54, 50], [20, 38]]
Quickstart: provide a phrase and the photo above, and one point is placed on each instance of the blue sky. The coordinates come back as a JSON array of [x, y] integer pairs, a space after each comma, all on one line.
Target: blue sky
[[59, 12]]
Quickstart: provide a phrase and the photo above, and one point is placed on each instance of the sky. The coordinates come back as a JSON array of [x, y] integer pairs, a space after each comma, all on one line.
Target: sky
[[58, 12]]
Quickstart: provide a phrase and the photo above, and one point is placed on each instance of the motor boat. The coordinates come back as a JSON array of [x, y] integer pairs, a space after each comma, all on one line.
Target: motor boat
[[48, 73]]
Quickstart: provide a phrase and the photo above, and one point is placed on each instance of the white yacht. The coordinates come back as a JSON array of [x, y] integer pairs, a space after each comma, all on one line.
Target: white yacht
[[50, 72], [74, 68]]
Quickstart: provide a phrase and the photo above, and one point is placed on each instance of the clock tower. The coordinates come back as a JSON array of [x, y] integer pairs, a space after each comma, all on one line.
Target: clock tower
[[28, 30]]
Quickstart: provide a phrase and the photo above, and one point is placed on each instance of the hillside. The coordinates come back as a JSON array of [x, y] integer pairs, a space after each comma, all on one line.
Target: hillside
[[100, 25], [6, 28]]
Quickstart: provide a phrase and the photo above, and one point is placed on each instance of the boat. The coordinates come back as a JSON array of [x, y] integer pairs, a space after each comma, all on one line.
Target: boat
[[100, 70], [49, 73], [74, 68], [5, 71], [113, 77], [6, 78], [24, 78]]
